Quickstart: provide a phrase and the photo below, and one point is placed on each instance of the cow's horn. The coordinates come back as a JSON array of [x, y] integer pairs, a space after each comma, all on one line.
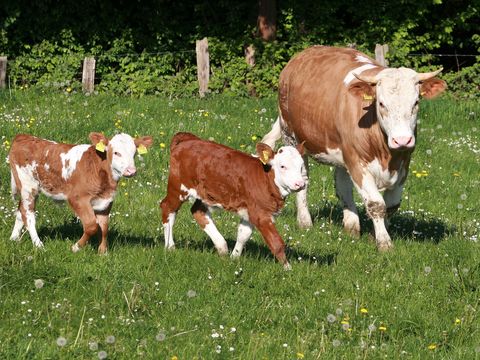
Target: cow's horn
[[429, 75], [370, 79]]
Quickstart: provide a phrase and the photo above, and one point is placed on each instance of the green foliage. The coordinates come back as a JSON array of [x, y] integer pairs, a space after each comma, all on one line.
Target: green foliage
[[148, 48]]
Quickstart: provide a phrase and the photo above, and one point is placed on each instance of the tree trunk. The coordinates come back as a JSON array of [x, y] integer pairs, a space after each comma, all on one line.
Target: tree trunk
[[267, 19]]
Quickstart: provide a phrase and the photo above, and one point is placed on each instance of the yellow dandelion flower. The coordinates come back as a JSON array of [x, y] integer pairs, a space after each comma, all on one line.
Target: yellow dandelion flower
[[174, 357], [229, 137], [456, 174], [300, 355], [432, 346], [254, 137], [382, 328], [414, 171], [418, 175], [123, 184], [344, 322], [69, 89], [457, 321], [162, 145], [162, 133], [364, 311], [242, 146], [126, 193]]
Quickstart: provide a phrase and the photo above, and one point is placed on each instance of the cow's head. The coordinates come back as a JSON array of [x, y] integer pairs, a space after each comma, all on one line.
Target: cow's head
[[120, 151], [397, 92], [287, 164]]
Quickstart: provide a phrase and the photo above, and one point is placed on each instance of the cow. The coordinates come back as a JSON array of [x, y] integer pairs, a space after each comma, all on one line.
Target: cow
[[358, 116], [86, 176], [216, 176]]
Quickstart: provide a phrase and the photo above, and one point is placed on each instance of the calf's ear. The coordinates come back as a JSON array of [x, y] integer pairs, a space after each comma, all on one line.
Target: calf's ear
[[96, 138], [432, 87], [264, 152], [301, 148], [146, 141]]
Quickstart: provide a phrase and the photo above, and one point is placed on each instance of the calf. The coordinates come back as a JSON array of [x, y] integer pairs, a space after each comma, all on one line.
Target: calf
[[216, 176], [86, 176]]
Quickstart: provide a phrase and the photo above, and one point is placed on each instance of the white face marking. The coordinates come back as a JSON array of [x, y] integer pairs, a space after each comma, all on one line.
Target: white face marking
[[290, 171], [397, 93], [100, 204], [123, 151], [332, 156], [364, 59], [70, 159], [384, 179], [349, 77]]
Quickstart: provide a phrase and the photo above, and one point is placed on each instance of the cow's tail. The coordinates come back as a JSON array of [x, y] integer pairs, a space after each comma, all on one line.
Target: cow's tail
[[274, 134]]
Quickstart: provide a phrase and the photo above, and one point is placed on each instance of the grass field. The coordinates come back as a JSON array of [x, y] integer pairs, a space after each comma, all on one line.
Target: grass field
[[343, 299]]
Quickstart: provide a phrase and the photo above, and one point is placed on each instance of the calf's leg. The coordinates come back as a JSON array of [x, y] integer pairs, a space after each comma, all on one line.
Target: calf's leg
[[17, 228], [102, 220], [344, 190], [203, 218], [85, 212], [27, 209], [169, 206], [272, 238], [304, 218], [243, 234]]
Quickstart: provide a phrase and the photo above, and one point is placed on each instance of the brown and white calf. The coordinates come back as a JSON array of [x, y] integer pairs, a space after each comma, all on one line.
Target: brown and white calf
[[360, 117], [86, 176], [216, 176]]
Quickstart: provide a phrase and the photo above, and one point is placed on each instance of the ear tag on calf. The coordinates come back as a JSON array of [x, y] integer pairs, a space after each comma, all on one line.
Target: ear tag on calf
[[264, 157], [142, 149], [100, 146], [367, 97]]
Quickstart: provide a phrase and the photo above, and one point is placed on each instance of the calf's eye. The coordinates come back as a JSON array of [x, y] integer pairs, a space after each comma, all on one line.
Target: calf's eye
[[116, 153]]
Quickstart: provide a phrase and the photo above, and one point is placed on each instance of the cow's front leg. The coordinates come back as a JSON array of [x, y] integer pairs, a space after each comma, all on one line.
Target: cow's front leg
[[84, 211], [376, 210], [304, 218], [392, 198], [272, 238], [344, 190], [102, 220]]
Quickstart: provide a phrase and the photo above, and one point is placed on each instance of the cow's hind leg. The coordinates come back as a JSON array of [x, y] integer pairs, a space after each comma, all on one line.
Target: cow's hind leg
[[17, 228], [244, 232], [344, 190], [392, 198], [170, 205], [27, 209], [202, 216]]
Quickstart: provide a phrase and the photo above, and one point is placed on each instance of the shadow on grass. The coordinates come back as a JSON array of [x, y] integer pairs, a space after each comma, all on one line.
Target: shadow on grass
[[73, 230], [420, 228]]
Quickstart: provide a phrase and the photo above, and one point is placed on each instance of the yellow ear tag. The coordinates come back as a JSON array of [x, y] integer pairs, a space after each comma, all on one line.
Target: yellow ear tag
[[422, 93], [142, 149], [264, 157], [367, 97], [100, 146]]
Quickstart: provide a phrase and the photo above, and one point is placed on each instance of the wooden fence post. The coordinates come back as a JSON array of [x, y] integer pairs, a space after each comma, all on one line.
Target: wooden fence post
[[203, 66], [88, 76], [381, 54], [3, 71]]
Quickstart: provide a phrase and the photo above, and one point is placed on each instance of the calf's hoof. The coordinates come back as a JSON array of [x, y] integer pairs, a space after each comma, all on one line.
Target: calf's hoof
[[304, 221], [384, 246], [287, 266], [76, 248], [223, 251]]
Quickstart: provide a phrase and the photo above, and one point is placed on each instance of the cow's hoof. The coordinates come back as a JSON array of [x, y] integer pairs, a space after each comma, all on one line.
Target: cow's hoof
[[170, 248], [76, 248], [287, 266], [222, 251], [304, 222], [353, 232], [384, 247]]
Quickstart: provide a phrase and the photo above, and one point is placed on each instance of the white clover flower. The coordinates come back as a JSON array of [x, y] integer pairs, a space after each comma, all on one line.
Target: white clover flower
[[61, 341], [215, 335]]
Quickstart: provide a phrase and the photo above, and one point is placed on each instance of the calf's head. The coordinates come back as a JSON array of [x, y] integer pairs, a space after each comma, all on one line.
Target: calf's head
[[287, 164], [120, 151], [397, 93]]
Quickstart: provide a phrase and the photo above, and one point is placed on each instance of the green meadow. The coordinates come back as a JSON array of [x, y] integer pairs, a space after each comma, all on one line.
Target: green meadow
[[343, 299]]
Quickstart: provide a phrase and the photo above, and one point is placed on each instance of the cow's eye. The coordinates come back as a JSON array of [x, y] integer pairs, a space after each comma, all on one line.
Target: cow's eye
[[116, 153], [283, 167], [382, 105]]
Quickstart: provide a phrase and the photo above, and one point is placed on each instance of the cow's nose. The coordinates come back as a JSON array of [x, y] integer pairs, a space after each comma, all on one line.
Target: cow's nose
[[300, 184], [129, 171], [403, 141]]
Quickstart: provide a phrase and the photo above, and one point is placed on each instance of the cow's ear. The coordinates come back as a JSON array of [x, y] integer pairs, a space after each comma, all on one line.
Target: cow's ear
[[301, 148], [96, 138], [265, 153], [432, 88], [362, 90], [146, 141]]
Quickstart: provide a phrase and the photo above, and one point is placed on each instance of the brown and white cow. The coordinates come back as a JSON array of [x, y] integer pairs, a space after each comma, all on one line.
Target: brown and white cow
[[358, 116], [216, 176], [86, 176]]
